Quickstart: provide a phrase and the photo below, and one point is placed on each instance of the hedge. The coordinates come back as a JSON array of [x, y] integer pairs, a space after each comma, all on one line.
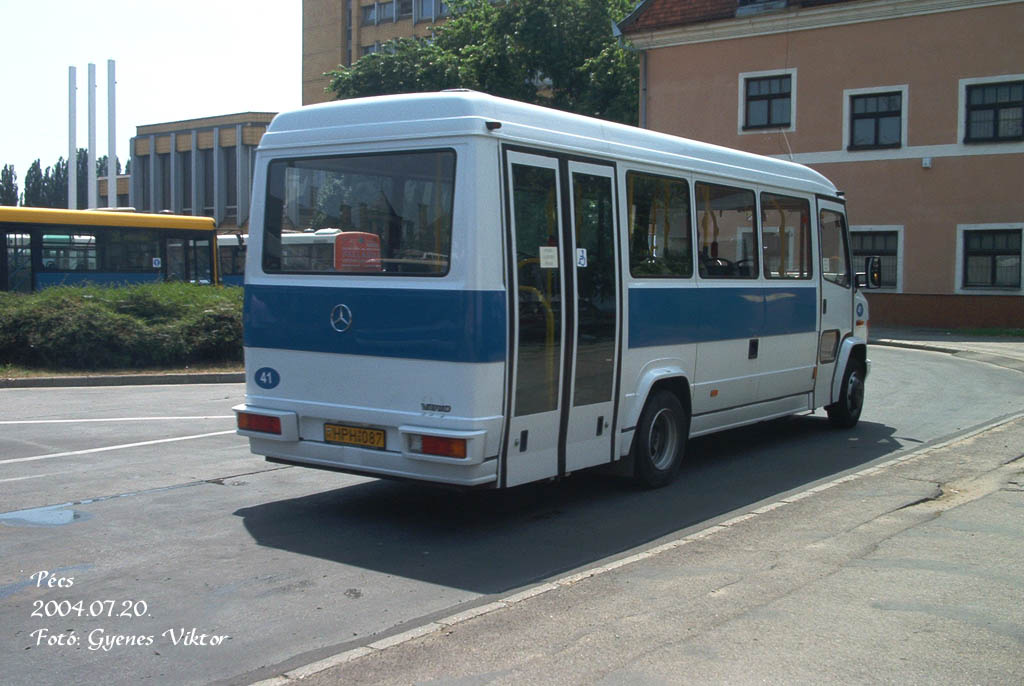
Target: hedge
[[125, 327]]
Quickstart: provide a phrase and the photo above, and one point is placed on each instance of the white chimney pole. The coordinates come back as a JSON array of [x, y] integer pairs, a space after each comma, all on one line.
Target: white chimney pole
[[72, 150], [93, 202], [111, 139]]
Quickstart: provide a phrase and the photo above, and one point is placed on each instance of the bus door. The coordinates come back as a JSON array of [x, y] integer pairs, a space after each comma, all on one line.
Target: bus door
[[16, 262], [566, 307], [836, 294], [188, 259]]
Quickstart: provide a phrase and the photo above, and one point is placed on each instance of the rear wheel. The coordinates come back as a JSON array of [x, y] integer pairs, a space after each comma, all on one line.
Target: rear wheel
[[660, 441], [845, 412]]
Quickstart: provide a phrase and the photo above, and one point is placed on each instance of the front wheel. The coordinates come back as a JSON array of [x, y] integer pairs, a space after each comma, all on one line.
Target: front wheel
[[660, 441], [845, 412]]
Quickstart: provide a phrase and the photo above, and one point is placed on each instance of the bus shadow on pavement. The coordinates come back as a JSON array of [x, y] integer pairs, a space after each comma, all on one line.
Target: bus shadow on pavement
[[492, 541]]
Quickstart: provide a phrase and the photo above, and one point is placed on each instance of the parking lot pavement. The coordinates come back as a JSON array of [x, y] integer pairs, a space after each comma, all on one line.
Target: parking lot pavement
[[905, 572]]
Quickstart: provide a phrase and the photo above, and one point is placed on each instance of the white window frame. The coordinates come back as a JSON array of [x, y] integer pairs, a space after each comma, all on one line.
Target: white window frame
[[898, 228], [850, 93], [961, 115], [961, 230], [741, 109]]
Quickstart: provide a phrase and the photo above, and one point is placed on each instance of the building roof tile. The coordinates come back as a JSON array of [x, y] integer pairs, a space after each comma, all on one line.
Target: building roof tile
[[651, 15]]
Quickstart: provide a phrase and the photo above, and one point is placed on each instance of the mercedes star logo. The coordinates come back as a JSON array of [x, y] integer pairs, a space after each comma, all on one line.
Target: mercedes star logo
[[341, 318]]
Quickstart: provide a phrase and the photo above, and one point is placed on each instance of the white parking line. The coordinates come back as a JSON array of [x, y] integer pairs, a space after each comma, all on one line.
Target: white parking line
[[34, 476], [110, 419], [74, 453]]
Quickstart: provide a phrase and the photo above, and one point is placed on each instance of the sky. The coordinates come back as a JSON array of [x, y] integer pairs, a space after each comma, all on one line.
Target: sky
[[179, 59]]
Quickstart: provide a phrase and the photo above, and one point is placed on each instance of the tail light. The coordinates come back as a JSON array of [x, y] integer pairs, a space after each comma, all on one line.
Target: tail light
[[248, 421], [438, 445]]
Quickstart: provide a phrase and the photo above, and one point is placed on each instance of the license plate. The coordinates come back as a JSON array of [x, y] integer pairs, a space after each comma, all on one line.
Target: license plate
[[354, 435]]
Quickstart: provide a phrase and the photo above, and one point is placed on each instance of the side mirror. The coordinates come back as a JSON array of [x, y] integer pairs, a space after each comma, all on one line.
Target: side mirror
[[871, 277]]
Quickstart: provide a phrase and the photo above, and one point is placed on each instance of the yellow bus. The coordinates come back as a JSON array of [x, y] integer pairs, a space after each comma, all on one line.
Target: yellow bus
[[49, 247]]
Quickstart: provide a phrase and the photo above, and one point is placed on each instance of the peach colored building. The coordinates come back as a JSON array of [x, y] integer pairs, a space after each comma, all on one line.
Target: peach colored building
[[912, 107], [341, 31]]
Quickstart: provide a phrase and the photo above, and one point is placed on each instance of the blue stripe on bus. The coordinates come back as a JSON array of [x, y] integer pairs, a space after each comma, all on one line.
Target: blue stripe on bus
[[421, 324], [668, 316]]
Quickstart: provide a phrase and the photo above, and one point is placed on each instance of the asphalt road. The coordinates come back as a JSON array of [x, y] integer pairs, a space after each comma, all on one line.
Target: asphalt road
[[178, 557]]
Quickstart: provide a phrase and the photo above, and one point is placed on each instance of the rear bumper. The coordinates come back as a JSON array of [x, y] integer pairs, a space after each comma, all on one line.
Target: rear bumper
[[301, 442], [374, 462]]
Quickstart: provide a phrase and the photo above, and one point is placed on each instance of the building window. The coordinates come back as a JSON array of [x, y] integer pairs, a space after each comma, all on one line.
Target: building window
[[144, 177], [387, 11], [876, 121], [206, 169], [369, 15], [186, 182], [746, 8], [992, 258], [230, 181], [995, 112], [885, 245], [404, 9], [768, 102], [164, 202], [429, 10], [369, 49]]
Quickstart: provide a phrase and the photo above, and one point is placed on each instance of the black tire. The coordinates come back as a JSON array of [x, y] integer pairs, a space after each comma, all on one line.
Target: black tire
[[845, 412], [660, 441]]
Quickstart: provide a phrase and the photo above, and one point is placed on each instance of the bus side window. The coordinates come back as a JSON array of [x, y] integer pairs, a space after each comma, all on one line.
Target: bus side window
[[835, 266], [786, 234], [660, 241], [726, 232]]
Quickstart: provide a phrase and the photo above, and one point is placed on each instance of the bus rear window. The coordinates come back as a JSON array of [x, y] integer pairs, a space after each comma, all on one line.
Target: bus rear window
[[361, 214]]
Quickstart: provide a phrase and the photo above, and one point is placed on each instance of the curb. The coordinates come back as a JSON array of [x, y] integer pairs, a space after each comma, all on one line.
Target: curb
[[122, 380], [989, 358], [891, 343]]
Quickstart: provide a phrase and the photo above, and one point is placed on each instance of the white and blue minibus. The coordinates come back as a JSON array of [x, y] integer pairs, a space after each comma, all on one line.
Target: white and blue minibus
[[517, 293]]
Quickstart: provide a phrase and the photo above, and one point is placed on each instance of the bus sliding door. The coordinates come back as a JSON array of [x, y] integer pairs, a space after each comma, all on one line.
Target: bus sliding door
[[566, 317], [189, 259], [16, 262]]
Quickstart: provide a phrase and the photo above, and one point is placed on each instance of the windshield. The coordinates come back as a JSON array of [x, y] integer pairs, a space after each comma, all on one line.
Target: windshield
[[366, 214]]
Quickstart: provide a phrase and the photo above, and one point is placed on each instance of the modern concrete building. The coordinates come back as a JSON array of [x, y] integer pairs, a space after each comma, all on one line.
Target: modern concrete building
[[338, 32], [198, 166], [123, 184], [912, 107]]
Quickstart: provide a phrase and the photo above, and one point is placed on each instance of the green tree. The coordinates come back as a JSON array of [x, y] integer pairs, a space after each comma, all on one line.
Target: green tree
[[101, 166], [55, 184], [8, 186], [49, 187], [32, 195], [558, 53], [82, 179]]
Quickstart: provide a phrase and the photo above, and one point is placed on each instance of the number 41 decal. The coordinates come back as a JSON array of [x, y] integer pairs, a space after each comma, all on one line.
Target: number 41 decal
[[267, 377]]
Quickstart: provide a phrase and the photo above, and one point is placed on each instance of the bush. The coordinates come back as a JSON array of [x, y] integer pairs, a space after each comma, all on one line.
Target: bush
[[214, 334], [152, 325]]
